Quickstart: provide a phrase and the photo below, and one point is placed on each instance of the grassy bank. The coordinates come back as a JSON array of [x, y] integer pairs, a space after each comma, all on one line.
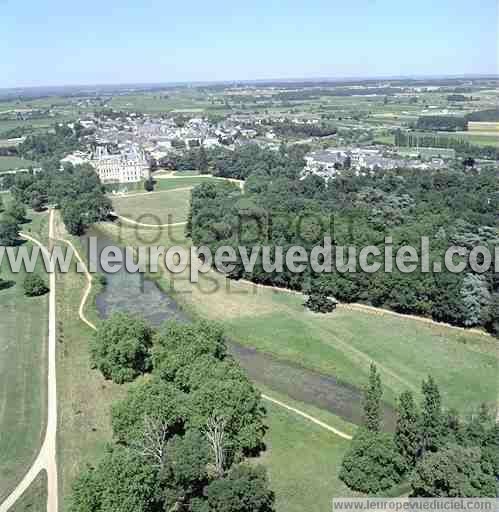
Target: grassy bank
[[84, 396]]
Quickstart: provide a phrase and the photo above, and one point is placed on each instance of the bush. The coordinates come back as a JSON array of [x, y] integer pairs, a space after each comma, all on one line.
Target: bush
[[372, 464], [454, 472], [320, 302], [34, 286]]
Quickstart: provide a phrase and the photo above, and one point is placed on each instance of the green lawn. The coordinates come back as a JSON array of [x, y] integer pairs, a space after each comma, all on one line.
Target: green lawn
[[34, 498], [9, 163], [162, 208], [23, 337], [303, 461]]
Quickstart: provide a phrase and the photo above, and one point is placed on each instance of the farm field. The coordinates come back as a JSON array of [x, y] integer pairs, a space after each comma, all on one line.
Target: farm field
[[23, 336]]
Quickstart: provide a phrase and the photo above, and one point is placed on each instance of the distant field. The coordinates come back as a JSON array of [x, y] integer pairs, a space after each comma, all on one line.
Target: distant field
[[159, 102], [10, 163], [483, 127], [23, 334]]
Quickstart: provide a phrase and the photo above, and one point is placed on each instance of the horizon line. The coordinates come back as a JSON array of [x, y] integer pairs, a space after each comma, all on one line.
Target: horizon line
[[360, 78]]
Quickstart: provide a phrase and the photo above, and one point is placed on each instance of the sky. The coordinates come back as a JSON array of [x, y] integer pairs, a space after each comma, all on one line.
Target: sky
[[56, 42]]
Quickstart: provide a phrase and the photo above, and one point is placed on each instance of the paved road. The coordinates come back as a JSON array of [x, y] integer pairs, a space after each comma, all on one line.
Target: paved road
[[46, 459]]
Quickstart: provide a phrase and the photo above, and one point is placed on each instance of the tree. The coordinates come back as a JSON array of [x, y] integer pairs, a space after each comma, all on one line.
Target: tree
[[34, 286], [454, 472], [186, 471], [202, 160], [9, 231], [372, 401], [178, 345], [407, 437], [121, 348], [149, 405], [431, 417], [73, 218], [16, 211], [122, 482], [372, 464], [215, 434], [244, 489], [37, 201], [149, 184], [492, 318], [320, 302]]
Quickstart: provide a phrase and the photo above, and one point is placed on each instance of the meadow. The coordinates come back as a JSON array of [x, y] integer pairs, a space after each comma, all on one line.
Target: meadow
[[23, 346]]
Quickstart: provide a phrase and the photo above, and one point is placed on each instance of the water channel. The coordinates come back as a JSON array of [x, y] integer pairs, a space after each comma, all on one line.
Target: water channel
[[134, 293]]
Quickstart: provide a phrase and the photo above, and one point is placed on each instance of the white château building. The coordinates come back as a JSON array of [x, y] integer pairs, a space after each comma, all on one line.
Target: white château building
[[125, 167]]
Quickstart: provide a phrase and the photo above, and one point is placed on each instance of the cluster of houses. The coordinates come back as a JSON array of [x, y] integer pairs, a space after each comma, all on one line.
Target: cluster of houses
[[122, 146], [327, 163]]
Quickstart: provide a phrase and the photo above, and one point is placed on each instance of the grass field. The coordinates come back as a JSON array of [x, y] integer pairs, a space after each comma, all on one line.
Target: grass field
[[23, 336], [35, 497], [10, 163], [303, 462], [161, 208]]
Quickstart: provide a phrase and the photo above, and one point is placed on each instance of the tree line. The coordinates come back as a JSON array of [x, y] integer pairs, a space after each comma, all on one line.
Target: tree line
[[431, 140], [451, 207], [182, 435], [432, 449], [75, 190]]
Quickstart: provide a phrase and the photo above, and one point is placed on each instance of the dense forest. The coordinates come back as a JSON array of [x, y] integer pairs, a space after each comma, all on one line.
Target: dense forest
[[451, 207]]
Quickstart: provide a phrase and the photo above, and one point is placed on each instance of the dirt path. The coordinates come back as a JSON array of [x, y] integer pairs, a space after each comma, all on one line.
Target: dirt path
[[145, 194], [46, 459], [135, 223], [84, 319]]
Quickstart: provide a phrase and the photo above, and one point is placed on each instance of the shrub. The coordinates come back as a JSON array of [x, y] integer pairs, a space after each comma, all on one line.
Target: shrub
[[34, 286]]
